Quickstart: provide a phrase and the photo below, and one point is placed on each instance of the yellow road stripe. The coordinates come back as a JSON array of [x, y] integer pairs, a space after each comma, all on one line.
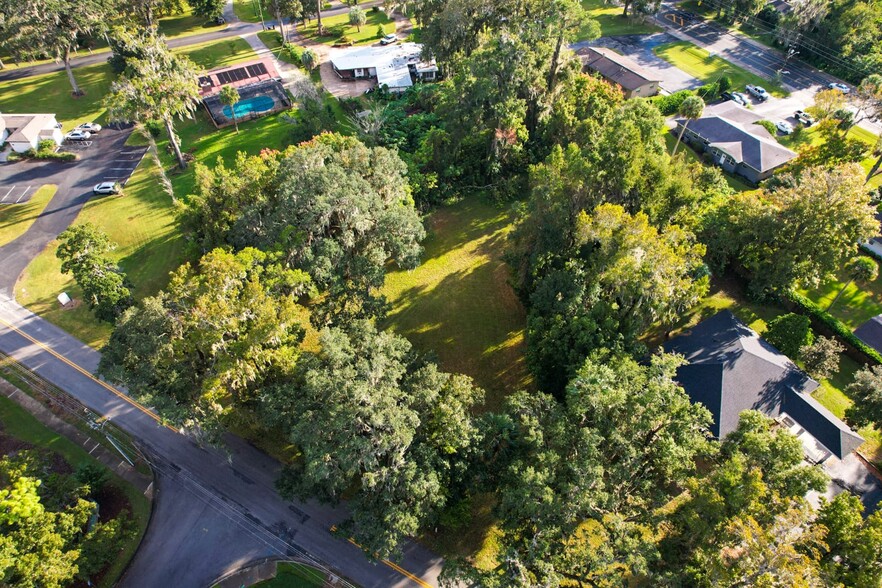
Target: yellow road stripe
[[86, 373], [393, 565]]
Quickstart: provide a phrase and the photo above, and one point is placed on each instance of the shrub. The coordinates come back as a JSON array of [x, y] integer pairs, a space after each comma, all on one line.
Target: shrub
[[768, 125], [47, 145], [154, 127], [790, 333], [821, 359], [380, 32], [375, 9], [670, 104], [835, 326]]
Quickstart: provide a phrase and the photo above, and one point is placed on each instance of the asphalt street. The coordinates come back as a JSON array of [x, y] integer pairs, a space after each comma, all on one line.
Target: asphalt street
[[101, 160]]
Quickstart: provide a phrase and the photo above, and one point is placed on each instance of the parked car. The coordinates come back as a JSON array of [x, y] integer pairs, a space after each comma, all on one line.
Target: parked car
[[106, 188], [736, 97], [804, 117], [76, 135], [757, 92], [389, 39], [784, 127], [837, 86], [90, 127]]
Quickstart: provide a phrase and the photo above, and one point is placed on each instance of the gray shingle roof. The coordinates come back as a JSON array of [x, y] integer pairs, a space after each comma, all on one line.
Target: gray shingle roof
[[617, 68], [871, 333], [760, 153], [731, 369]]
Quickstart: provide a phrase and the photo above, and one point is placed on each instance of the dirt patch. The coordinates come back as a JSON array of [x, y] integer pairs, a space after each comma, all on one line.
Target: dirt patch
[[112, 501], [11, 445]]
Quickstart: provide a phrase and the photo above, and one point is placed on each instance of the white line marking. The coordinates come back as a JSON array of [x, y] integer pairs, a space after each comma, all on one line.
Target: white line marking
[[7, 194], [22, 194], [122, 168]]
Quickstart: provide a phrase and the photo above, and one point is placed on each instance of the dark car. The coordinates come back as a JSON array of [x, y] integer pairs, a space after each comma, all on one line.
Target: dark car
[[734, 97]]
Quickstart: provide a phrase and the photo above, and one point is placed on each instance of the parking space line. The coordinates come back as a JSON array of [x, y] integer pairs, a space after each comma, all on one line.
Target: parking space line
[[7, 194], [122, 168], [23, 194]]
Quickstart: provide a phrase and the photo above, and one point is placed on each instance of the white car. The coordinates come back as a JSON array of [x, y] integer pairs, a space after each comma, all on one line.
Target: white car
[[841, 87], [76, 135], [758, 92], [89, 127], [784, 127], [106, 188], [389, 39]]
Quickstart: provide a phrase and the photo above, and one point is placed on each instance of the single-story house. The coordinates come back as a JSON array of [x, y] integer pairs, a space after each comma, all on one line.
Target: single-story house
[[735, 142], [25, 131], [617, 69], [394, 66], [731, 369], [239, 75]]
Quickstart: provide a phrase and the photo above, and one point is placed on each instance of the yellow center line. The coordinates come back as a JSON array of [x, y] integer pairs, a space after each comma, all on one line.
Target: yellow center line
[[392, 565], [86, 373]]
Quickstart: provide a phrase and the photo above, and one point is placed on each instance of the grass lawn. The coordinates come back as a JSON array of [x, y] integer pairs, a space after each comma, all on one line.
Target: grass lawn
[[143, 224], [698, 63], [859, 302], [338, 26], [810, 137], [459, 303], [246, 10], [295, 575], [219, 53], [19, 423], [15, 219], [273, 41], [611, 21]]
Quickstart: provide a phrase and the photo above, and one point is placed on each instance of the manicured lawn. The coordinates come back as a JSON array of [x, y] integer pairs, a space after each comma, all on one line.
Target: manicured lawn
[[859, 302], [186, 24], [19, 423], [219, 53], [459, 303], [246, 10], [15, 219], [295, 575], [273, 41], [338, 26], [810, 137], [611, 21], [698, 63], [143, 224]]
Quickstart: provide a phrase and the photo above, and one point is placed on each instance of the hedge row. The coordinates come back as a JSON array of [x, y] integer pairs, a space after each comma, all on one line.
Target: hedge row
[[836, 326]]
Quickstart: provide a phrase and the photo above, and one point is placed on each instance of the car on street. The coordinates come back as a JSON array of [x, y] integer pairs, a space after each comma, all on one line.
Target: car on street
[[757, 92], [89, 126], [804, 117], [76, 135], [736, 97], [389, 39], [784, 127], [106, 188], [837, 86]]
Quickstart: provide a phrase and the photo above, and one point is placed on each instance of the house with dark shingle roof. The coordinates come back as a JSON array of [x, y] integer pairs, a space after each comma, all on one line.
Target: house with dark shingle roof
[[620, 70], [729, 134], [731, 369]]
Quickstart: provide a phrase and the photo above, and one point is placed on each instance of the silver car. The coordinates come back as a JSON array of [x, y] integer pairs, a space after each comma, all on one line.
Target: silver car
[[89, 127], [106, 188], [76, 135]]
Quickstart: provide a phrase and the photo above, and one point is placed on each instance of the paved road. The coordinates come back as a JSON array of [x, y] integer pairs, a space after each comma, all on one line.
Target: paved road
[[75, 181]]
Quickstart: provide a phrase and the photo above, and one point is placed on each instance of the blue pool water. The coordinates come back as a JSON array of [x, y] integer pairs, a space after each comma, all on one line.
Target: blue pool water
[[255, 104]]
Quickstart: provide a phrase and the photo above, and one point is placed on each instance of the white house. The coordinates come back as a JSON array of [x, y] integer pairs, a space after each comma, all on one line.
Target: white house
[[25, 131], [394, 66]]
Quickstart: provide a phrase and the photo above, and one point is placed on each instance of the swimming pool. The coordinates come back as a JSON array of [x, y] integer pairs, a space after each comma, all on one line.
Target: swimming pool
[[253, 105]]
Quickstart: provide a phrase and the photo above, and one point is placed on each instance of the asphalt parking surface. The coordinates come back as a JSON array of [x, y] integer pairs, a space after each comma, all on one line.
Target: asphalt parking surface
[[17, 194]]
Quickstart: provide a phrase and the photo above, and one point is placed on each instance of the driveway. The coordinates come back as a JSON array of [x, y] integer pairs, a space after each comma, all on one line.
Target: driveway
[[639, 48], [107, 157]]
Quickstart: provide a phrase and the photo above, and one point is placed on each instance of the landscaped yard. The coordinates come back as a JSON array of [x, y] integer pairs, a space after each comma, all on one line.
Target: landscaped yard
[[700, 64], [15, 219], [246, 10], [810, 136], [17, 422], [459, 303], [612, 23], [859, 302], [735, 182], [337, 27], [143, 224]]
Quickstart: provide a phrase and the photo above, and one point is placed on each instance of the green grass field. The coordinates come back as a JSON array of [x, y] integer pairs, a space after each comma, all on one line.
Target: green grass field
[[458, 302], [247, 11], [294, 575], [15, 219], [143, 224], [19, 423], [700, 64], [810, 137], [338, 26], [612, 23], [858, 303]]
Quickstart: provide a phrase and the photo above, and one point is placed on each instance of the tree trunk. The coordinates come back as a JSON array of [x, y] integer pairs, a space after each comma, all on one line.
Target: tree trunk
[[148, 14], [838, 294], [170, 129], [320, 30], [281, 24], [235, 118], [70, 74], [627, 5], [679, 137], [555, 61], [874, 169]]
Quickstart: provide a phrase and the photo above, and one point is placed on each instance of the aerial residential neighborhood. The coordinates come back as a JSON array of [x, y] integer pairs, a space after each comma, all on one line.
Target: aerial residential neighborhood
[[451, 293]]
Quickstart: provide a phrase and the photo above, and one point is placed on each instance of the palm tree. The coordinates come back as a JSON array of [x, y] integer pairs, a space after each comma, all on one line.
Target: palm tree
[[691, 109], [229, 96], [308, 58], [861, 269], [357, 17]]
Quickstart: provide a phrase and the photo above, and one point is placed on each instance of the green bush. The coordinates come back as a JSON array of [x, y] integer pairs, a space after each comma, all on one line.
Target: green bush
[[154, 127], [835, 326], [670, 104], [375, 9], [768, 125], [47, 145], [44, 154], [380, 32], [790, 333]]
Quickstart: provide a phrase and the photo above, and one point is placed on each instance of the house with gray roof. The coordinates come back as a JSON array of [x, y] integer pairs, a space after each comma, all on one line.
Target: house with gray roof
[[729, 134], [25, 131], [731, 369], [620, 70], [393, 66]]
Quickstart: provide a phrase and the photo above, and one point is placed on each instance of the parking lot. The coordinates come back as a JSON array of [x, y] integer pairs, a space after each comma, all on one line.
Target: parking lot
[[17, 194], [119, 166]]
